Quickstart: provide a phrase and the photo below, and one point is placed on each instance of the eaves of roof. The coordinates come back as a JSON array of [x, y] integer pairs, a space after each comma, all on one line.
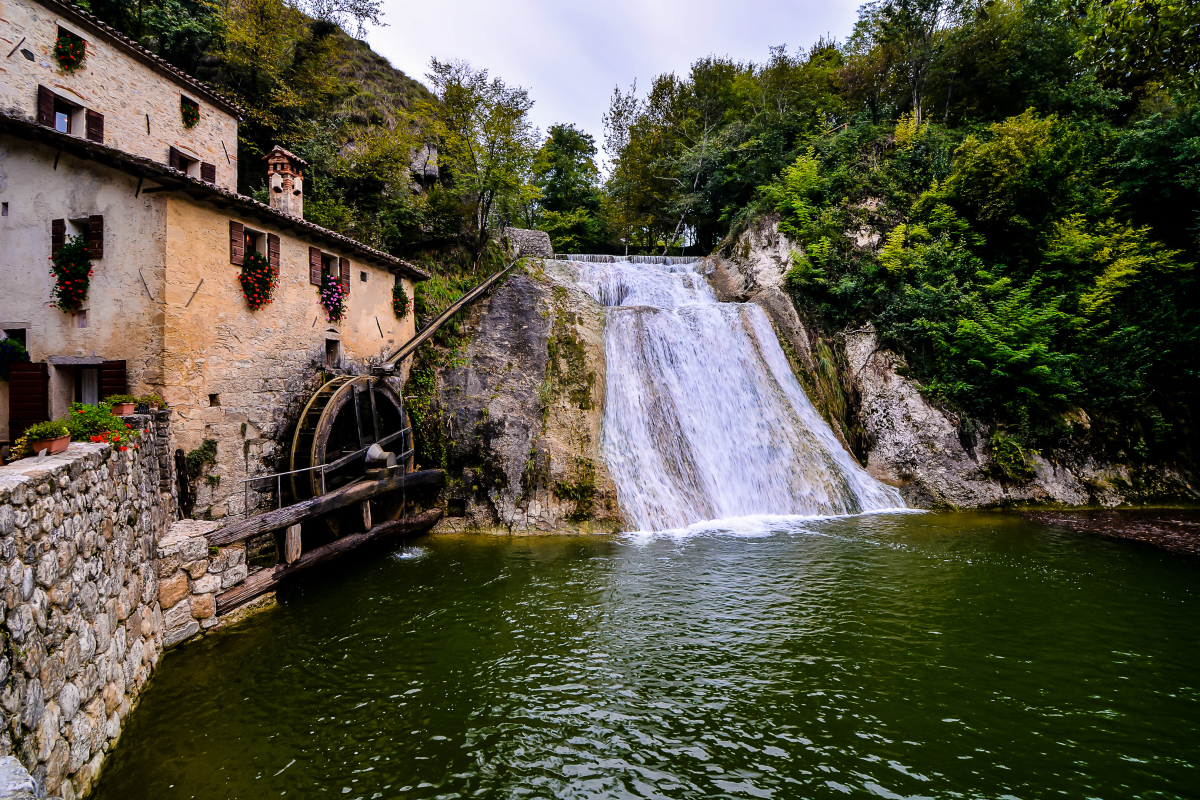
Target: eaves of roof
[[86, 19], [173, 180]]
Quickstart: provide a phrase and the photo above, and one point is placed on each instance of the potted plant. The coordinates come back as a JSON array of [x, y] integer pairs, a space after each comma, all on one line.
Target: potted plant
[[399, 301], [152, 402], [53, 437], [121, 404]]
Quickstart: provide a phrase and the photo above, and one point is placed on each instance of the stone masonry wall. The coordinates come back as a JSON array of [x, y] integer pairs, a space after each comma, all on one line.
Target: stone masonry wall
[[140, 104], [81, 619], [532, 244], [190, 575]]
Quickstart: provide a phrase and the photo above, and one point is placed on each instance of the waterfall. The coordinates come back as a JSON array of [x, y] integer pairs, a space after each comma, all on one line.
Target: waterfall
[[704, 418]]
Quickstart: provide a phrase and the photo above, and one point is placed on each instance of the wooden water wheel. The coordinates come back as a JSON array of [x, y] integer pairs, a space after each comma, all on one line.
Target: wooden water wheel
[[340, 422]]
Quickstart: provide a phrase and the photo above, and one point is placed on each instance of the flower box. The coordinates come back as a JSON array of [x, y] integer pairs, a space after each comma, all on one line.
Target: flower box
[[51, 446], [122, 409]]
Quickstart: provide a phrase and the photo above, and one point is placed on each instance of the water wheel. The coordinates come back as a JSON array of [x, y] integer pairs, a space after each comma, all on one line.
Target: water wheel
[[341, 420]]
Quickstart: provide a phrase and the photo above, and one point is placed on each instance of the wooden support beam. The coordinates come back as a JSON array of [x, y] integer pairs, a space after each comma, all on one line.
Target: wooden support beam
[[291, 544], [366, 514], [290, 515], [266, 580]]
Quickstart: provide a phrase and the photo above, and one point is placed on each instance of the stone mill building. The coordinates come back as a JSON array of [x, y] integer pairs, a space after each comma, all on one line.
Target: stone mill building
[[141, 160]]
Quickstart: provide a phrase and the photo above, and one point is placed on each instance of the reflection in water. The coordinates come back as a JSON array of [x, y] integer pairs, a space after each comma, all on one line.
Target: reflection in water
[[903, 655]]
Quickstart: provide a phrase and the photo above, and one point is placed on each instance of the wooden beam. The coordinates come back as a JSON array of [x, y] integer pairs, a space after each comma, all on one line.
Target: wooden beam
[[266, 580], [291, 545], [289, 515]]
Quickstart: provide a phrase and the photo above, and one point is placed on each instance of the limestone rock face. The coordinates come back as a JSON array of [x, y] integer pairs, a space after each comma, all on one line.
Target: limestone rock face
[[521, 410], [935, 459]]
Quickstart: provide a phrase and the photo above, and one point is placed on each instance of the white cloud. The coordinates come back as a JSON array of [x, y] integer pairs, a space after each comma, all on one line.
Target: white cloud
[[570, 55]]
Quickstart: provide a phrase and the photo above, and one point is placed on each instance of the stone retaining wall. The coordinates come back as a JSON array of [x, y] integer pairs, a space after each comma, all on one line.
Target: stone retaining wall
[[529, 242], [81, 619], [191, 574]]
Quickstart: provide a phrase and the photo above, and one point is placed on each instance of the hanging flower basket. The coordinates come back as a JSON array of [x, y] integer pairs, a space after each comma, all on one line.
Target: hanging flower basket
[[400, 301], [72, 270], [259, 279], [69, 51], [333, 298]]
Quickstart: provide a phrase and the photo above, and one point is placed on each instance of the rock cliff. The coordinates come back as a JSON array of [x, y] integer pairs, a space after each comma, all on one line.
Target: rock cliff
[[937, 459], [519, 408]]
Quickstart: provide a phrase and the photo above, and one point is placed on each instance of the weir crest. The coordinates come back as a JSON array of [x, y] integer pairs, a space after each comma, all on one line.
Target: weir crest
[[704, 418]]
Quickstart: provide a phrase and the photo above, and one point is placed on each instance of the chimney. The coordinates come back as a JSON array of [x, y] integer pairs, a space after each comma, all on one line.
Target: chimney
[[285, 181]]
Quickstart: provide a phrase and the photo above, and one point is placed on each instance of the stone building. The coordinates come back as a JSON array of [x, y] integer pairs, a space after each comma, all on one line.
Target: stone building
[[141, 160]]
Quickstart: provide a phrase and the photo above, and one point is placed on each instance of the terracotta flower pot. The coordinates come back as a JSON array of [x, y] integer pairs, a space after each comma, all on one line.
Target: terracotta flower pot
[[122, 409], [51, 446]]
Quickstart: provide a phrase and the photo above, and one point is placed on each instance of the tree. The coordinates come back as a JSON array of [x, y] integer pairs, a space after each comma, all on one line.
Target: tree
[[485, 140], [567, 180], [912, 30], [1133, 42]]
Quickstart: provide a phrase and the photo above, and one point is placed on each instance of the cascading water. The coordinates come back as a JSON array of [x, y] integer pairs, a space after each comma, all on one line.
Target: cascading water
[[704, 418]]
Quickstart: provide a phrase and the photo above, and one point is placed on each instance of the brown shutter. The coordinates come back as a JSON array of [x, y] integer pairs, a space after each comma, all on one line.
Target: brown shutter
[[112, 378], [45, 107], [314, 266], [237, 242], [95, 236], [28, 396], [208, 173], [273, 250], [344, 273], [95, 126], [58, 235], [174, 160]]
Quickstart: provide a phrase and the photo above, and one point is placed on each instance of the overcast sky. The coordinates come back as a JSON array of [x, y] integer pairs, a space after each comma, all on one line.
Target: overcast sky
[[570, 55]]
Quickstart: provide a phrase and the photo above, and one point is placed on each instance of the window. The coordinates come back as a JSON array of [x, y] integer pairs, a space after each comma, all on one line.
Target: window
[[189, 109], [64, 114], [252, 241], [80, 318], [17, 334], [87, 385], [184, 163], [214, 399], [362, 276], [4, 211]]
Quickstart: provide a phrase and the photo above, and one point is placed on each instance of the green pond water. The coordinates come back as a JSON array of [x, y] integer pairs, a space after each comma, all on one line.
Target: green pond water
[[906, 655]]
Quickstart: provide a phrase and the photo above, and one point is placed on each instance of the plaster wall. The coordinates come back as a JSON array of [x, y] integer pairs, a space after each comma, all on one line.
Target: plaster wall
[[123, 321], [140, 104], [240, 376]]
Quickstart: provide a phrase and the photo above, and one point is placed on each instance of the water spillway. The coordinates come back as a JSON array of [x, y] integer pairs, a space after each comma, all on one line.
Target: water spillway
[[704, 418]]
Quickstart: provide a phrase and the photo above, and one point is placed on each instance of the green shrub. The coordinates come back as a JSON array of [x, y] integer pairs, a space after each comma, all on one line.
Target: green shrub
[[1010, 460], [46, 430], [114, 399]]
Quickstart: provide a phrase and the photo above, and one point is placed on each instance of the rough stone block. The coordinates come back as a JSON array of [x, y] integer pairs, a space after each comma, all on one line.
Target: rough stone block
[[176, 635], [196, 568], [207, 584], [234, 575], [177, 615], [173, 589], [204, 606]]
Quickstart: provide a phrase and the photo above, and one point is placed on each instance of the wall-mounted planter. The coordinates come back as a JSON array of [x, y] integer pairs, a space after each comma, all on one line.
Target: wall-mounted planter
[[51, 446]]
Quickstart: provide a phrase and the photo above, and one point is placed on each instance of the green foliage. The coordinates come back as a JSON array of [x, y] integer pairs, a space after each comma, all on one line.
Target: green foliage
[[98, 424], [115, 399], [258, 277], [46, 430], [201, 459], [1010, 461], [399, 301], [72, 271], [11, 352]]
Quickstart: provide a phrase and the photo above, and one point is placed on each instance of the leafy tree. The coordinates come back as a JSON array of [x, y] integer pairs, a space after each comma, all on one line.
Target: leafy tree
[[486, 142]]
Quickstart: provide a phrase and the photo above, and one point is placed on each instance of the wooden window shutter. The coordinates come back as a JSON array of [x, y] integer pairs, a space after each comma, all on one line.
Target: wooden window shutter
[[95, 126], [28, 396], [314, 266], [344, 273], [208, 173], [174, 159], [237, 242], [273, 251], [45, 111], [58, 235], [95, 236], [112, 378]]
